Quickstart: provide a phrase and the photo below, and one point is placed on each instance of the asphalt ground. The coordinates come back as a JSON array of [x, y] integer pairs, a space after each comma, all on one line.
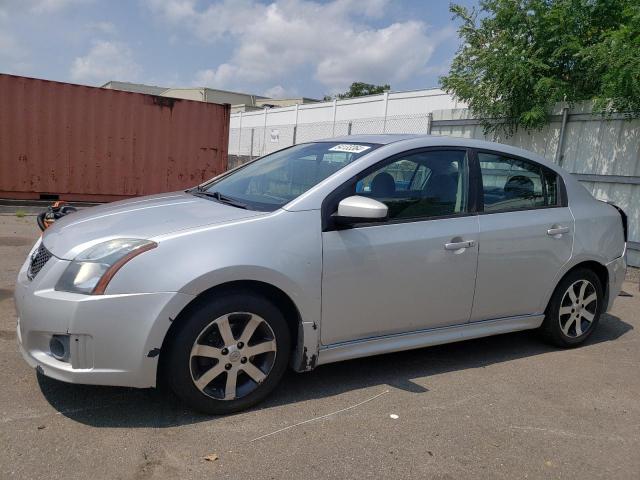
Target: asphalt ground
[[502, 407]]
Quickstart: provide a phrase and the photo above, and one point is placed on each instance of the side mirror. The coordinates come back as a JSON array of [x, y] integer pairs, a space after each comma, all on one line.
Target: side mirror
[[357, 209]]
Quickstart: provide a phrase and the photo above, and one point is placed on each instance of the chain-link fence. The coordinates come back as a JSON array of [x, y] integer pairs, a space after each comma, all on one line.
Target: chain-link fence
[[251, 142]]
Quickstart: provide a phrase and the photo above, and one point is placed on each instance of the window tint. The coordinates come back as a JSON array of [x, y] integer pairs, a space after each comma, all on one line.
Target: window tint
[[425, 184], [512, 184], [551, 189]]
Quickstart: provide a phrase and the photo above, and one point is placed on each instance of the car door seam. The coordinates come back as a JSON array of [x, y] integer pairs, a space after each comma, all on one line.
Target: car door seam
[[475, 280]]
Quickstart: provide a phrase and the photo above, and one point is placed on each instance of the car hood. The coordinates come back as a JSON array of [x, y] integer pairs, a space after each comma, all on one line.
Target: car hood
[[142, 217]]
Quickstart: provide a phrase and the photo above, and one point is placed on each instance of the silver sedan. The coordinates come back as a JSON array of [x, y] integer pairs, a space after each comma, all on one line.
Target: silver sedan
[[320, 252]]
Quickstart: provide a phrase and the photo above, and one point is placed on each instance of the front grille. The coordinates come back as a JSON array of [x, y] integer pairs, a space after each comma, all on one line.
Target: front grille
[[38, 260]]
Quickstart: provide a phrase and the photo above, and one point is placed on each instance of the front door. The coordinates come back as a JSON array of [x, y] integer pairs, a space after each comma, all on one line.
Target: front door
[[416, 270]]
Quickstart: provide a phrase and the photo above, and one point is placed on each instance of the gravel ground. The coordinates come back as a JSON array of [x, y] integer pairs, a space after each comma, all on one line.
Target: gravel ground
[[633, 275], [501, 407]]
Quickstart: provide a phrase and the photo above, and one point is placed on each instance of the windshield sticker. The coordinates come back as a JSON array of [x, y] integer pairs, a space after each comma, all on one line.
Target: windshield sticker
[[349, 148]]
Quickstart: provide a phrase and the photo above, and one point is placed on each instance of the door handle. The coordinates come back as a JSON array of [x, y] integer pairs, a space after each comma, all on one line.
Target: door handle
[[557, 230], [459, 245]]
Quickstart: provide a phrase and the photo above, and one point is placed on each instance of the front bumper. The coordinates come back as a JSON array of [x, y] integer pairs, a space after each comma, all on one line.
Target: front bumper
[[617, 270], [110, 336]]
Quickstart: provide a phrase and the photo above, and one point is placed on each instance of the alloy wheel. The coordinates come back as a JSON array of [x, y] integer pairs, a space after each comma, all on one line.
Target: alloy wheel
[[232, 356], [578, 308]]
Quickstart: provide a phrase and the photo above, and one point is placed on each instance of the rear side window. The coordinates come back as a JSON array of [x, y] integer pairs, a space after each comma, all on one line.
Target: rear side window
[[551, 189], [515, 184]]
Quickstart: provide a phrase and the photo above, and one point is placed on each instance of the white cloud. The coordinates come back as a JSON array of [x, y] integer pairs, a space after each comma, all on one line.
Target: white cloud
[[278, 91], [335, 40], [105, 61], [173, 10], [216, 20], [216, 77], [389, 54]]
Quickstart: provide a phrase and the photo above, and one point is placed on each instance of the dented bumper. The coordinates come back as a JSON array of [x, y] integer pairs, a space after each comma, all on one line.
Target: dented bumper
[[617, 270], [110, 337]]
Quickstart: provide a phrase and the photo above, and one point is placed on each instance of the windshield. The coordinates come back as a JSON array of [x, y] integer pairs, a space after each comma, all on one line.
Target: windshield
[[274, 180]]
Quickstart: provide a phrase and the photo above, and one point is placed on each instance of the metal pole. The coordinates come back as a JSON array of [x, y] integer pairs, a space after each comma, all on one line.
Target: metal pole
[[264, 132], [240, 134], [429, 122], [386, 106], [295, 127], [335, 107], [559, 150], [251, 149], [349, 128]]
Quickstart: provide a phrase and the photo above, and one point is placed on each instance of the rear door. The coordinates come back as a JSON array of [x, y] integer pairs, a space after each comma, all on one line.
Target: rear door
[[526, 236]]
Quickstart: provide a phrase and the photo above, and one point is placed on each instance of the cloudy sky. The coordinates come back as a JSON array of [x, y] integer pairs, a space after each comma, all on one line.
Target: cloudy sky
[[277, 48]]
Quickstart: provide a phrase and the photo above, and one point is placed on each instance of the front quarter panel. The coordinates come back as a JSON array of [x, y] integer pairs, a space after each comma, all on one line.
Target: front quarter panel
[[282, 249]]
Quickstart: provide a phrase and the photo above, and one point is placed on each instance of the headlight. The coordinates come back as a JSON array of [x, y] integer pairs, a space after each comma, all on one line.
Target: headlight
[[92, 270]]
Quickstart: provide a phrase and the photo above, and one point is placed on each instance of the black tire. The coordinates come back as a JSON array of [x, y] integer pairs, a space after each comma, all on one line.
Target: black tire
[[579, 328], [178, 367]]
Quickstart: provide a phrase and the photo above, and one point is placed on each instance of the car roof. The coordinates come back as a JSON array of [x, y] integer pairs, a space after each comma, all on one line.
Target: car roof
[[423, 140]]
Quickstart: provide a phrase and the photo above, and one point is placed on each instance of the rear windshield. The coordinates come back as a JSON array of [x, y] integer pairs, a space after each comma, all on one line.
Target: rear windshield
[[274, 180]]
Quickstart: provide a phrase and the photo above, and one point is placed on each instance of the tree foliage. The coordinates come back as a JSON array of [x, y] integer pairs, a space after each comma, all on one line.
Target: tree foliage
[[359, 89], [519, 57]]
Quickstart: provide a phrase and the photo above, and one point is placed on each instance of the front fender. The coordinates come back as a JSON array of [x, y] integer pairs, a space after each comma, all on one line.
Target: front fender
[[283, 249], [305, 354]]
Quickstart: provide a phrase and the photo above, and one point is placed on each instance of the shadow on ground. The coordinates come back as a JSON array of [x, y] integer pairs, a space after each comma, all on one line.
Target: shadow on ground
[[134, 408]]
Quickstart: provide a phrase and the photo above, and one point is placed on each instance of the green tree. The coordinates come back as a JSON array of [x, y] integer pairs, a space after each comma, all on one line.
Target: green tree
[[617, 59], [359, 89], [519, 57]]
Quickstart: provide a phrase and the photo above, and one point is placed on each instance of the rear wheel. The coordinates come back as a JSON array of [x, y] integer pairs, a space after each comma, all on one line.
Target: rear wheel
[[574, 310], [229, 354]]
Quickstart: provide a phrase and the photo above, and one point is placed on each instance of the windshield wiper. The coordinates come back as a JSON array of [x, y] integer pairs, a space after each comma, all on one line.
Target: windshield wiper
[[223, 199]]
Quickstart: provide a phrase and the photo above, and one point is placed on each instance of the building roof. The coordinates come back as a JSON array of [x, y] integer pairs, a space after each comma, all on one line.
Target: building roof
[[134, 87], [255, 100]]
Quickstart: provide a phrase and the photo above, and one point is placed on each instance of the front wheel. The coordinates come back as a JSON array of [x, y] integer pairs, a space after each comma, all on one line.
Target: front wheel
[[574, 310], [229, 354]]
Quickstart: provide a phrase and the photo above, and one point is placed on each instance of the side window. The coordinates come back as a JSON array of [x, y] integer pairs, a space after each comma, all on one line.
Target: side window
[[513, 184], [420, 185], [552, 198]]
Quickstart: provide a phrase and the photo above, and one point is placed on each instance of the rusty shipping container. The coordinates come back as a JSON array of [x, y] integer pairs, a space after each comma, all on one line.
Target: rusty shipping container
[[74, 142]]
